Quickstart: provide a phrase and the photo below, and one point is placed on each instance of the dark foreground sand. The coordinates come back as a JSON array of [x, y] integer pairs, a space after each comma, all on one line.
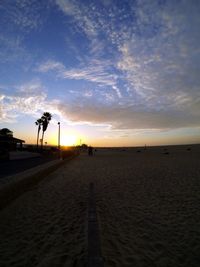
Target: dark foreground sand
[[148, 207]]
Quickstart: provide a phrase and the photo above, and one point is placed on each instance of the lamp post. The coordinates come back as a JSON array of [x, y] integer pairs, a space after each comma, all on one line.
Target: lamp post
[[59, 135]]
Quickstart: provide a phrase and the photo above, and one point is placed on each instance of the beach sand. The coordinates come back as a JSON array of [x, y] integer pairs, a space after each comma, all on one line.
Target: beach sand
[[147, 205]]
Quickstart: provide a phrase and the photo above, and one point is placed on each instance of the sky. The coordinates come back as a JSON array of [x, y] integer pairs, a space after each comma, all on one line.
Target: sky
[[113, 72]]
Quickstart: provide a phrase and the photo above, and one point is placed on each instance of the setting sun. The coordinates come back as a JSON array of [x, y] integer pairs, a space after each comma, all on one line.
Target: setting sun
[[68, 140]]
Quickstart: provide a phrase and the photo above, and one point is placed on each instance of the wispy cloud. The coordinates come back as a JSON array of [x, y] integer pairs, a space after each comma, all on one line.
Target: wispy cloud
[[31, 99], [27, 99], [95, 74], [18, 19], [155, 45], [158, 61], [51, 65], [12, 50], [26, 15], [140, 64], [82, 14], [96, 71]]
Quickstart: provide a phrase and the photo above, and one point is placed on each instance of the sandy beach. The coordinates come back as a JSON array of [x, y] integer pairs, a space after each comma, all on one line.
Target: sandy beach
[[147, 205]]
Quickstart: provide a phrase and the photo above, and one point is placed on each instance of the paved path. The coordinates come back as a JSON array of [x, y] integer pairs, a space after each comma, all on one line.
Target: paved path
[[47, 226], [94, 243], [23, 155], [18, 165]]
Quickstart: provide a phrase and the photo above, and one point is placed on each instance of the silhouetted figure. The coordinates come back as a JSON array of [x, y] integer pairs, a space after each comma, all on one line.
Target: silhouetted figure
[[90, 150]]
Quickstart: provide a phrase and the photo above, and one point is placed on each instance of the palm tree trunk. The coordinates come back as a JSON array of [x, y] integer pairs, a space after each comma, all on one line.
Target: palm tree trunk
[[38, 135], [42, 140]]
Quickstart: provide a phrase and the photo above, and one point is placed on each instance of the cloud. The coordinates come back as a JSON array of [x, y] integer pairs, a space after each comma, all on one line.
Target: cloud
[[12, 50], [32, 99], [101, 23], [95, 74], [24, 15], [27, 99], [81, 14], [153, 69], [98, 72], [128, 117], [18, 19], [148, 37], [141, 61], [159, 65], [51, 65]]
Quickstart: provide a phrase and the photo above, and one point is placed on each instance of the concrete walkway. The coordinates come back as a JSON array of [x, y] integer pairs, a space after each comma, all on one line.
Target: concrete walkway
[[23, 155]]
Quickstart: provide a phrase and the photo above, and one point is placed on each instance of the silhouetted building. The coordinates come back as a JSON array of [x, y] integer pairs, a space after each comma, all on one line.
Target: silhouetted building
[[10, 143]]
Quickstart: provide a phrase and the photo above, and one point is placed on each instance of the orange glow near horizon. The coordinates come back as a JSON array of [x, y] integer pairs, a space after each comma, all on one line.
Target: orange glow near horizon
[[68, 140], [72, 136]]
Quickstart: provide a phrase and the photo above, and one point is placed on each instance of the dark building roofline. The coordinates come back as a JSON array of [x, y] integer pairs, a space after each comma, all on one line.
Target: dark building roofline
[[10, 139]]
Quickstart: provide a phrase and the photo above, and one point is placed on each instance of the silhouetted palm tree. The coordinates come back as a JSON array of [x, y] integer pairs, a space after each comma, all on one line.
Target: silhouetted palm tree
[[46, 117], [39, 124]]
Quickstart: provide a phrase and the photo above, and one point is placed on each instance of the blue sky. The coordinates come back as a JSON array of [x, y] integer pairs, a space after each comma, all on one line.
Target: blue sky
[[113, 72]]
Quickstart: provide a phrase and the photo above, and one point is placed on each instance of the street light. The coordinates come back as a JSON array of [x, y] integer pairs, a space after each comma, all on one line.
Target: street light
[[59, 135]]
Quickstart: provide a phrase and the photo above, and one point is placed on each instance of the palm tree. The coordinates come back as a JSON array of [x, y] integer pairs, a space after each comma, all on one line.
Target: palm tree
[[46, 117], [39, 124]]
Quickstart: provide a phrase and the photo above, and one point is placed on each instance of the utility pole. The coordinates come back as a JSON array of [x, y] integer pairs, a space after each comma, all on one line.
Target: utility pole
[[59, 135]]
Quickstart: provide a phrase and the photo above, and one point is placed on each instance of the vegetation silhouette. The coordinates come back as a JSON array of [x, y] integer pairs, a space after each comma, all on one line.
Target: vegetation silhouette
[[39, 124], [46, 117], [6, 132], [42, 123]]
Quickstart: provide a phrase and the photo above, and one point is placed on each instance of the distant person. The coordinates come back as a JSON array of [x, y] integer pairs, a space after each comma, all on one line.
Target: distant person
[[90, 150]]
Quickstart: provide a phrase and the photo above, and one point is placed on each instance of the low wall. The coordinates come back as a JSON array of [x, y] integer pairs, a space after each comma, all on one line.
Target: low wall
[[16, 185]]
